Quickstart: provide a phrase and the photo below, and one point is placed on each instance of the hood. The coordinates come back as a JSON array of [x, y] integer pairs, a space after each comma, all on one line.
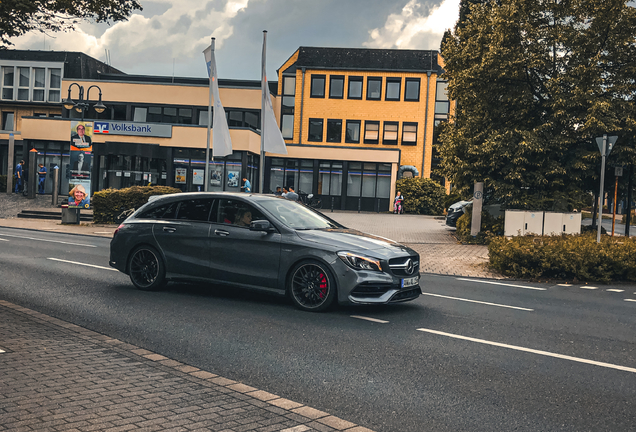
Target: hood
[[355, 241], [460, 204]]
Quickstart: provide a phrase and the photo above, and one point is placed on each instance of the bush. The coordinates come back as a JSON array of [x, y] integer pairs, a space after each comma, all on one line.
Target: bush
[[490, 227], [576, 258], [109, 203], [422, 195], [451, 199]]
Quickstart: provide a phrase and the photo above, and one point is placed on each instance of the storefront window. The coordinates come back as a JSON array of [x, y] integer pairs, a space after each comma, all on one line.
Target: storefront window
[[306, 178], [384, 181], [369, 180], [354, 180], [277, 174]]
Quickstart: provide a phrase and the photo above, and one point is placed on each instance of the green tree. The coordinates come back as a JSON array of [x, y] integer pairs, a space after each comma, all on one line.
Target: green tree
[[18, 17], [535, 82]]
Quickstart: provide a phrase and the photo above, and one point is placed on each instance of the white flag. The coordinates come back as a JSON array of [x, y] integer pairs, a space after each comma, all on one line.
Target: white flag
[[221, 141], [273, 141]]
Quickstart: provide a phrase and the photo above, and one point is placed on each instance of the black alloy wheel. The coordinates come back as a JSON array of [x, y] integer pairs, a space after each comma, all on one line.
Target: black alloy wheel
[[146, 269], [312, 287]]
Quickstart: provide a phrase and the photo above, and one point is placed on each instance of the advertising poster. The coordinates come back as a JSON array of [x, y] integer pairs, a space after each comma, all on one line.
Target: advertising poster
[[198, 176], [79, 194], [180, 175], [232, 178], [216, 174], [81, 149]]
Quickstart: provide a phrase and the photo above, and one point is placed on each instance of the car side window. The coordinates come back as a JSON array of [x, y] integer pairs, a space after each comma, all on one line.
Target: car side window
[[238, 213], [166, 211], [194, 209]]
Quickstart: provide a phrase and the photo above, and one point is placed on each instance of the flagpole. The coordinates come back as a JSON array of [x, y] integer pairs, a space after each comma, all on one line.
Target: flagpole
[[263, 90], [207, 148]]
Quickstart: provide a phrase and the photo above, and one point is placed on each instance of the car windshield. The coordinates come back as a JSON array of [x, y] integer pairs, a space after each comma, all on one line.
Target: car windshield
[[296, 215]]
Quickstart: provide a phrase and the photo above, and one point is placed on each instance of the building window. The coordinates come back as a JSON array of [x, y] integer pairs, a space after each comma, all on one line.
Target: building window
[[154, 114], [7, 82], [317, 86], [374, 88], [287, 126], [289, 85], [288, 107], [334, 131], [355, 87], [442, 104], [252, 120], [393, 89], [390, 133], [315, 129], [39, 84], [371, 132], [353, 131], [7, 121], [409, 133], [24, 82], [412, 89], [234, 118], [55, 84], [336, 87]]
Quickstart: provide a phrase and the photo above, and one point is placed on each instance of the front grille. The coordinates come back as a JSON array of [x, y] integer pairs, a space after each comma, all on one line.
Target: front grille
[[370, 290], [399, 266], [405, 295]]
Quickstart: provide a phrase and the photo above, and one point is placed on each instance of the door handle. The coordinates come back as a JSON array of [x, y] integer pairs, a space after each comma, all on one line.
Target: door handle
[[169, 229], [221, 233]]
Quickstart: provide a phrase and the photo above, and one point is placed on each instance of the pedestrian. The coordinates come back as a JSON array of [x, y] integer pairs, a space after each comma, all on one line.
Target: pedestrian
[[247, 186], [41, 178], [18, 177], [284, 192], [278, 192], [291, 194]]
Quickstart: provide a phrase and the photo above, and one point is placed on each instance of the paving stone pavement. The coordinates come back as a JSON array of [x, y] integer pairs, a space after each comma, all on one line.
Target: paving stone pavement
[[56, 376]]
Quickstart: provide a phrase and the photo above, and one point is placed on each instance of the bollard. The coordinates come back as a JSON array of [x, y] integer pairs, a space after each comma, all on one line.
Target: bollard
[[332, 204], [378, 207], [56, 179], [359, 199]]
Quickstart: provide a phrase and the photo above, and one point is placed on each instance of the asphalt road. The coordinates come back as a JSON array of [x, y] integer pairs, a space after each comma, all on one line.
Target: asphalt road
[[466, 356]]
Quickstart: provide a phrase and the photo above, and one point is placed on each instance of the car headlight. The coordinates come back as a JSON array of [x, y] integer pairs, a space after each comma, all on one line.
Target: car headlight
[[360, 262]]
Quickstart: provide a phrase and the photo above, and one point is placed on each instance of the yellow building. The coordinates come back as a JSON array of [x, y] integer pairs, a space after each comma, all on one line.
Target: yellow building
[[353, 120]]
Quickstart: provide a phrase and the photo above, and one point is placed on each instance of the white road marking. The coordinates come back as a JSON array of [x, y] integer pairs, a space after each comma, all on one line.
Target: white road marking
[[630, 300], [51, 241], [588, 287], [370, 319], [1, 351], [480, 302], [564, 284], [84, 264], [504, 284], [615, 290], [530, 350], [3, 239]]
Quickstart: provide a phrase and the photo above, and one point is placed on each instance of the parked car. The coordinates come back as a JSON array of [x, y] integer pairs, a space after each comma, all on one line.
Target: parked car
[[262, 242], [455, 211]]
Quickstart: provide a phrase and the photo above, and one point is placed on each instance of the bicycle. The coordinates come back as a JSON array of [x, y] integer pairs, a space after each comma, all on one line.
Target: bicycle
[[125, 214], [310, 201]]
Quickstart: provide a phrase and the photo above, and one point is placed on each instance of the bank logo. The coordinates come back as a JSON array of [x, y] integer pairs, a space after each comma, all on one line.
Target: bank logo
[[101, 127]]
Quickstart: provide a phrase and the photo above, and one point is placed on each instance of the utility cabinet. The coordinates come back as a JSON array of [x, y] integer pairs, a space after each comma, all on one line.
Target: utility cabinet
[[520, 222]]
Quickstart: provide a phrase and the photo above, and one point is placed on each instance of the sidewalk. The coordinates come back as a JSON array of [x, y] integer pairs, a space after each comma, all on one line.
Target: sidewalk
[[60, 377]]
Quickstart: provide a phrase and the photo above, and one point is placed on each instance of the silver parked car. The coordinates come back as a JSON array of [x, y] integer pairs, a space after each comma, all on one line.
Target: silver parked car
[[262, 242]]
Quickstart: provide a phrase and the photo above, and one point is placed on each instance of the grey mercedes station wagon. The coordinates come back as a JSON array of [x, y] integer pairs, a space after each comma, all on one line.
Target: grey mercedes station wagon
[[262, 242]]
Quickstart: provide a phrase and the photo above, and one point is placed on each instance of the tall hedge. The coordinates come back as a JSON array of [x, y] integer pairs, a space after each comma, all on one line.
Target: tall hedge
[[109, 203], [422, 195], [567, 257]]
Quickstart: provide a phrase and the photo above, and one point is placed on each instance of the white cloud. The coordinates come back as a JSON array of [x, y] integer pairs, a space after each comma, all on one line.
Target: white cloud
[[415, 27], [183, 29]]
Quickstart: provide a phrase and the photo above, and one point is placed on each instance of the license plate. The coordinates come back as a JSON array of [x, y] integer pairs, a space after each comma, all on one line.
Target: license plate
[[410, 281]]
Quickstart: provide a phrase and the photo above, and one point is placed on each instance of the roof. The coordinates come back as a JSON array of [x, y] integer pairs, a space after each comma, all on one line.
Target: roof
[[76, 64], [152, 79], [395, 60]]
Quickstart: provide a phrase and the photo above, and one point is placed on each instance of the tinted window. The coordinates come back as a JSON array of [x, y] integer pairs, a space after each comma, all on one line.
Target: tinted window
[[194, 209], [166, 211]]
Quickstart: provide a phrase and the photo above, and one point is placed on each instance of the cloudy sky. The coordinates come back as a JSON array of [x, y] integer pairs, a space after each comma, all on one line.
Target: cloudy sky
[[170, 35]]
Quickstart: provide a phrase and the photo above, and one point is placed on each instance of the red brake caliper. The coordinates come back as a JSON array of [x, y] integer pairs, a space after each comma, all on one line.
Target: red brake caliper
[[323, 285]]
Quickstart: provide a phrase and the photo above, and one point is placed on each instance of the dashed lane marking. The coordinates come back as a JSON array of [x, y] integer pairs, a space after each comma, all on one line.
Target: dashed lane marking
[[565, 285], [1, 239], [480, 302], [615, 290], [83, 264], [370, 319], [46, 240], [500, 283], [588, 287], [530, 350], [630, 300]]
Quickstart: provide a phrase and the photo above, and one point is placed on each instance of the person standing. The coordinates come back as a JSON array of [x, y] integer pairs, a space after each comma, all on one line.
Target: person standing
[[291, 194], [41, 178], [18, 177], [247, 186]]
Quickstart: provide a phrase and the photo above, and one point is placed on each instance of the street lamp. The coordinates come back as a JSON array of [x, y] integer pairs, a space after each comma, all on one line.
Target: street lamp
[[81, 105]]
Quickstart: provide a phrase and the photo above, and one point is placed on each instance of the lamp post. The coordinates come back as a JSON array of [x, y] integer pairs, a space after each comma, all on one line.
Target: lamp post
[[81, 104]]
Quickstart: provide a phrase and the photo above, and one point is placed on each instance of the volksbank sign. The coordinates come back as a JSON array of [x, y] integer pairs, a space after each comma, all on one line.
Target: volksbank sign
[[133, 128]]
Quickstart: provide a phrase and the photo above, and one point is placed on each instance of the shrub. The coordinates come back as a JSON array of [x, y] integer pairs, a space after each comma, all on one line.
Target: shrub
[[576, 257], [490, 227], [109, 203], [451, 199], [422, 195]]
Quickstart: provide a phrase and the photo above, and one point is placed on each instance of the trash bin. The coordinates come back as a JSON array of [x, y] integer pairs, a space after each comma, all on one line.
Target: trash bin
[[70, 216]]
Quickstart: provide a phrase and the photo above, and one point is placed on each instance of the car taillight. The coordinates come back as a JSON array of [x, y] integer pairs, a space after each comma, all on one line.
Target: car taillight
[[117, 230]]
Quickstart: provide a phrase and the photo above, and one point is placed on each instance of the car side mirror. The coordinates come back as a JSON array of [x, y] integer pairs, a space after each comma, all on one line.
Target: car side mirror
[[261, 225]]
